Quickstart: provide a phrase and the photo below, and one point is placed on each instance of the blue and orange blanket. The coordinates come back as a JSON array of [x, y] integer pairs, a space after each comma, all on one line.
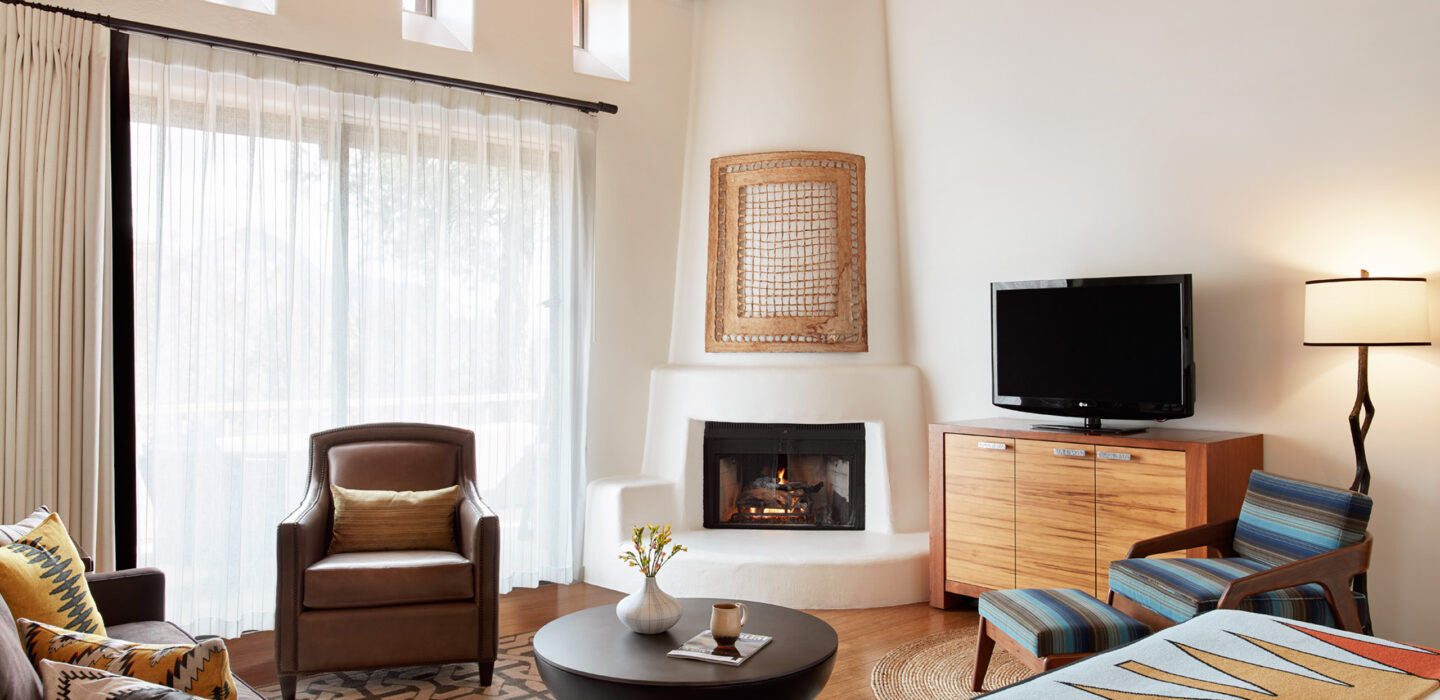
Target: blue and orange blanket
[[1230, 654]]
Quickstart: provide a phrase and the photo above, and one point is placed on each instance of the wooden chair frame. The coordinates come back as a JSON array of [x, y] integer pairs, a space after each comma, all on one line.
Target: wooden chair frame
[[989, 635]]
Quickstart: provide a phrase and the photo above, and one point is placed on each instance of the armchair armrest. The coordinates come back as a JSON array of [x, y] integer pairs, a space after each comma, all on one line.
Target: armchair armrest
[[477, 523], [1332, 570], [1219, 535], [480, 543], [301, 536], [132, 595], [300, 542]]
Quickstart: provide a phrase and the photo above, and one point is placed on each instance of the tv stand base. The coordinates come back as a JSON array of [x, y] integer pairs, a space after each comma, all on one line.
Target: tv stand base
[[1091, 426]]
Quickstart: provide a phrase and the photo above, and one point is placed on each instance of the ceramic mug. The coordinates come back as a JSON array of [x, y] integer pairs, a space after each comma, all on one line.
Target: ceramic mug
[[726, 619]]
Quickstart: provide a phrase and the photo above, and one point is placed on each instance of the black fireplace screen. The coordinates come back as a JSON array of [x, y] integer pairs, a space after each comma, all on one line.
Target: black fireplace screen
[[785, 475]]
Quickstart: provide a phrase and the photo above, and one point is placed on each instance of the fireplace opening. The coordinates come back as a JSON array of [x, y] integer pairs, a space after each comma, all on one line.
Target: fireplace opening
[[785, 476]]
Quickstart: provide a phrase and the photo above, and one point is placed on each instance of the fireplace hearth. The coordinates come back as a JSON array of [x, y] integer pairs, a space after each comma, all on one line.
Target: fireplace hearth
[[784, 476]]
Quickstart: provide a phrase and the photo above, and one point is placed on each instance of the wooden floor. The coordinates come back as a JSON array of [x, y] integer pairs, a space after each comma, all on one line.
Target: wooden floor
[[865, 635]]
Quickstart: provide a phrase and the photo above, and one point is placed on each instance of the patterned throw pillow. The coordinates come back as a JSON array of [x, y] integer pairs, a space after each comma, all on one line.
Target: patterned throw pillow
[[66, 682], [42, 578], [374, 521], [10, 533], [197, 669]]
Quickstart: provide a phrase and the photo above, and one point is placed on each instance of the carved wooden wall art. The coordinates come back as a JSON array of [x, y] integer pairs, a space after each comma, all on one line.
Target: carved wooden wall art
[[787, 253]]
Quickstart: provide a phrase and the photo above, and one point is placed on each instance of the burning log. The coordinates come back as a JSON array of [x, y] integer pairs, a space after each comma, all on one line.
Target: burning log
[[773, 484], [763, 498]]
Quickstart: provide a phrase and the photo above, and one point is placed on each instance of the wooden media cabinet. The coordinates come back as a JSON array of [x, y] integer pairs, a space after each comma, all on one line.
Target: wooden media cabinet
[[1015, 507]]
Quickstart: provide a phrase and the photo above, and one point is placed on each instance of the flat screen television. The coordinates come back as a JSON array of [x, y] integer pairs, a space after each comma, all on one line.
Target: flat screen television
[[1103, 347]]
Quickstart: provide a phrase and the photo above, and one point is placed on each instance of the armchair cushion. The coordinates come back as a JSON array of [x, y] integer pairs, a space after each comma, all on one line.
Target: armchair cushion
[[1285, 520], [1050, 621], [372, 579], [373, 521], [1179, 589]]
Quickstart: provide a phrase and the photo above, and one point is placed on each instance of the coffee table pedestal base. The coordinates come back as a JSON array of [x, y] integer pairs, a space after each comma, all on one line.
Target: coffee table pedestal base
[[803, 685]]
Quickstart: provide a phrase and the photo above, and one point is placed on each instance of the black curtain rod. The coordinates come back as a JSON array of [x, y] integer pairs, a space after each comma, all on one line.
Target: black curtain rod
[[222, 42]]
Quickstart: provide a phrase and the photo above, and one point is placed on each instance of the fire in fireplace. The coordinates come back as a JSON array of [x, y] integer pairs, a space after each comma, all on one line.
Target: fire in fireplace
[[785, 475]]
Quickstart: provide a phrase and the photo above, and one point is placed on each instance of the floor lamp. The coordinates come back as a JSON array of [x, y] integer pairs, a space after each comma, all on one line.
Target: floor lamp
[[1361, 312]]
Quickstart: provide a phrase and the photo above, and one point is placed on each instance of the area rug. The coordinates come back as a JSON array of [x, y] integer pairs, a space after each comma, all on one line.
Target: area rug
[[515, 677], [940, 666]]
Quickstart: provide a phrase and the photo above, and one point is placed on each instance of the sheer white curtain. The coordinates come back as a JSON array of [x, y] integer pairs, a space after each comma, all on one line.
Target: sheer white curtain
[[317, 247], [56, 426]]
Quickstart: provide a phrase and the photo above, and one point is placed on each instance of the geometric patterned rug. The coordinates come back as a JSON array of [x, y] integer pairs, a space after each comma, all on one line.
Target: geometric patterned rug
[[515, 677]]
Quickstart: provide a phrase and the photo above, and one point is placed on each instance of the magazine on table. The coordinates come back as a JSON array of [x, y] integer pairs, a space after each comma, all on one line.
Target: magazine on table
[[702, 647]]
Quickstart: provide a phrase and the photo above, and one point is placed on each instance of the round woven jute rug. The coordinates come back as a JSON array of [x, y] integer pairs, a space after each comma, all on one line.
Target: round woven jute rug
[[940, 666]]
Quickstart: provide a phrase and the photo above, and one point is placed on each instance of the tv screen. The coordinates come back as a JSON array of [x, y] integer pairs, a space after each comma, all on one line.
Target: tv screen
[[1114, 347]]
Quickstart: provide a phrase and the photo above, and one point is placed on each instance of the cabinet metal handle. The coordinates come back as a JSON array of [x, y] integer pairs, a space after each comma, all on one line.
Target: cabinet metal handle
[[992, 445], [1069, 452], [1122, 456]]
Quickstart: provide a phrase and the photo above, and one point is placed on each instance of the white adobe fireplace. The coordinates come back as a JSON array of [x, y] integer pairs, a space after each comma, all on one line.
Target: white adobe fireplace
[[884, 564], [805, 78]]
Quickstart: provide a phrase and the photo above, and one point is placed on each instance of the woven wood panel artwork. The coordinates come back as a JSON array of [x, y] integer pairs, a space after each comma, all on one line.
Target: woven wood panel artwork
[[787, 253]]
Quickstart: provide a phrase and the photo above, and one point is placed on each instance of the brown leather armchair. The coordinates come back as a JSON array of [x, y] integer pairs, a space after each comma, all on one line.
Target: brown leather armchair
[[363, 610]]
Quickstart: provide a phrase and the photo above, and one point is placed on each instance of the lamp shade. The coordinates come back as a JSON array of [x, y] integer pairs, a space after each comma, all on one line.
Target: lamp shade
[[1366, 311]]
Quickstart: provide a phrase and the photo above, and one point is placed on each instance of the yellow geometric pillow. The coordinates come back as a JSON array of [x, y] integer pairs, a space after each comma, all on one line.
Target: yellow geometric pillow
[[41, 578], [375, 521], [198, 669]]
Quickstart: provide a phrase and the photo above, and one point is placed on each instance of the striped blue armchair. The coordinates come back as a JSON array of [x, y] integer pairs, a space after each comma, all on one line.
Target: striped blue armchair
[[1292, 553]]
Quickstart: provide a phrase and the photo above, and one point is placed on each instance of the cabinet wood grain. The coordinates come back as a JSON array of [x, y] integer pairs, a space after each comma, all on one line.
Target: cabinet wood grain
[[1054, 515], [980, 522], [1139, 494]]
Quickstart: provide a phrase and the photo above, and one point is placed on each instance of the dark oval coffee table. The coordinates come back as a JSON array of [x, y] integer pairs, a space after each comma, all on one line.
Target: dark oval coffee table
[[589, 654]]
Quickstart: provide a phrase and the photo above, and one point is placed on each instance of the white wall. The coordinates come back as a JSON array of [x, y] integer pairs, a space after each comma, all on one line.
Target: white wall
[[780, 76], [1255, 145], [527, 44]]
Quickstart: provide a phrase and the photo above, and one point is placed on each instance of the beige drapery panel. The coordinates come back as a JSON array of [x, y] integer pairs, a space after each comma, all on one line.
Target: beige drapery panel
[[56, 422]]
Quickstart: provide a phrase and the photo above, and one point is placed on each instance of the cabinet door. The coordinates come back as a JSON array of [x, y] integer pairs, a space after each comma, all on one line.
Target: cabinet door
[[980, 511], [1138, 494], [1054, 515]]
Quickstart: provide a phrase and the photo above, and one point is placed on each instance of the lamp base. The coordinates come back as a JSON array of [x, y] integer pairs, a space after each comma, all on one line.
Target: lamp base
[[1359, 429]]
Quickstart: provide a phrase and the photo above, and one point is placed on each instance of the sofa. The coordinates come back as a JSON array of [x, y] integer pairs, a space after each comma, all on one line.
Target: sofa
[[132, 603]]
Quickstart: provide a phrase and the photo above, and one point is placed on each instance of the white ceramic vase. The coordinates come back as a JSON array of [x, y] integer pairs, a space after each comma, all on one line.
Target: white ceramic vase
[[649, 610]]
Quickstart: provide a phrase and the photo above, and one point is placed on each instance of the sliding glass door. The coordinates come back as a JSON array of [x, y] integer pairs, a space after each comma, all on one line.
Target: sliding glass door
[[316, 247]]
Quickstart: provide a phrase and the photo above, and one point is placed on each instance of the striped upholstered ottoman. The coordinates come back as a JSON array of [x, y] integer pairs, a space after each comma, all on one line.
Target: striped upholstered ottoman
[[1048, 627]]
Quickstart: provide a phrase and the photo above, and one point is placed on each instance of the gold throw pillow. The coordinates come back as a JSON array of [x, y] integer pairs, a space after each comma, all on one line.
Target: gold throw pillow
[[42, 578], [202, 670], [375, 521]]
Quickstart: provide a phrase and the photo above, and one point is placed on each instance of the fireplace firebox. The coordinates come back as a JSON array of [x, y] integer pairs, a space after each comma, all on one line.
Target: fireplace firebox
[[785, 476]]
